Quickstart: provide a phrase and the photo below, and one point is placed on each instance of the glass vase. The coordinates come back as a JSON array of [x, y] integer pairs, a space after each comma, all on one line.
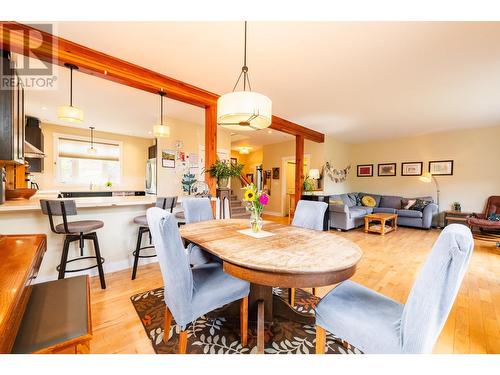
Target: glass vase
[[256, 222]]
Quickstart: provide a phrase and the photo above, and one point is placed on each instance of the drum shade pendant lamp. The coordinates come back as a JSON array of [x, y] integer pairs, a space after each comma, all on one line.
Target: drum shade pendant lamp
[[68, 112], [92, 150], [160, 130], [244, 110]]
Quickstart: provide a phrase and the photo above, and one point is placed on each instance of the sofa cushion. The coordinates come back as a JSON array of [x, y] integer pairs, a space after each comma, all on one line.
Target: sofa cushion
[[367, 210], [375, 196], [390, 201], [384, 210], [368, 201], [357, 212], [409, 213]]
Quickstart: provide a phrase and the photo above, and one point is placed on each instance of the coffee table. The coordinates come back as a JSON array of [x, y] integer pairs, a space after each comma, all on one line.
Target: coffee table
[[380, 220]]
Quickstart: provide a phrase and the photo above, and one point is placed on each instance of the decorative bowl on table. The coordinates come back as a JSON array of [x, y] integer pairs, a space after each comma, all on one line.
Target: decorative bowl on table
[[19, 194]]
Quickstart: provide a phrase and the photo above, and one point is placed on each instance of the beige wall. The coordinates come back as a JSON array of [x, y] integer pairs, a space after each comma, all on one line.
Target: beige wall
[[193, 136], [476, 166], [134, 151]]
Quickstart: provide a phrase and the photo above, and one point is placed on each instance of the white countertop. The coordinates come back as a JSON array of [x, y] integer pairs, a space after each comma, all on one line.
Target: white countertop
[[34, 202]]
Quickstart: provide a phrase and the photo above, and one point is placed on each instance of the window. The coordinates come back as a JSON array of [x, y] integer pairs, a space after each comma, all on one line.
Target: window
[[76, 166]]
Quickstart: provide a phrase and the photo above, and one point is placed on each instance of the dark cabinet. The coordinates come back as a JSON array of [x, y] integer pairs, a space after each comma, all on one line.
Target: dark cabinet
[[11, 112], [34, 136], [152, 152]]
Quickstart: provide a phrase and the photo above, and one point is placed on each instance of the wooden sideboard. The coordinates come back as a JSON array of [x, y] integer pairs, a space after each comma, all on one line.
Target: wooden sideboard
[[20, 259]]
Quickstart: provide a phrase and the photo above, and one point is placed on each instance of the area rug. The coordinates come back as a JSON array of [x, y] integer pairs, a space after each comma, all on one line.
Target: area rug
[[219, 331]]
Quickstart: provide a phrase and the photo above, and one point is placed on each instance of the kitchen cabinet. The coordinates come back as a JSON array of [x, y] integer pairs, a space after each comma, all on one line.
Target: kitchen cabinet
[[12, 130], [34, 136]]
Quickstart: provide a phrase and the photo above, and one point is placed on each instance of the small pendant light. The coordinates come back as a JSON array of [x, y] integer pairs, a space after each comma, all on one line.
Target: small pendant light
[[68, 112], [92, 150], [244, 110], [160, 130]]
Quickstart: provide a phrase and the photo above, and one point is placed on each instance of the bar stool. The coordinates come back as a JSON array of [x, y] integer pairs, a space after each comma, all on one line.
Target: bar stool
[[165, 203], [73, 231]]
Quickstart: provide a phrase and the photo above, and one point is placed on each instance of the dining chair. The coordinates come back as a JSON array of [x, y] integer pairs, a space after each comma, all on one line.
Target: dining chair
[[191, 292], [309, 215], [196, 210], [376, 324]]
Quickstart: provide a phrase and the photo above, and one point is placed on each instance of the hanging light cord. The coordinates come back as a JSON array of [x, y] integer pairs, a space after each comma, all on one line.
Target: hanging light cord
[[244, 69], [162, 94], [71, 86]]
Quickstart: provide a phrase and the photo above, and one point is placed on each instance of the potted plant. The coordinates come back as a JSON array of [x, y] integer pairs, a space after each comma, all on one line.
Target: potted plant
[[223, 171], [108, 185]]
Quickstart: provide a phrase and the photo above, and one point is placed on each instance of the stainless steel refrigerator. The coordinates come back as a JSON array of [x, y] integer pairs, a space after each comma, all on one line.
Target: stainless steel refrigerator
[[151, 176]]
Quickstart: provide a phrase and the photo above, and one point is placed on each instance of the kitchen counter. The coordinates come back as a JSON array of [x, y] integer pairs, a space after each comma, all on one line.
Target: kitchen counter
[[34, 202]]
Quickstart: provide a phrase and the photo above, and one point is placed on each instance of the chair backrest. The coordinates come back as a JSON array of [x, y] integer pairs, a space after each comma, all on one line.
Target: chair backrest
[[62, 208], [197, 209], [166, 203], [174, 264], [310, 214], [435, 289], [493, 205]]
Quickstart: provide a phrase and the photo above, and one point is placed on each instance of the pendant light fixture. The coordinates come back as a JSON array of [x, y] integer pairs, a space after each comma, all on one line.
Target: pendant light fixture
[[160, 130], [92, 150], [244, 110], [68, 112]]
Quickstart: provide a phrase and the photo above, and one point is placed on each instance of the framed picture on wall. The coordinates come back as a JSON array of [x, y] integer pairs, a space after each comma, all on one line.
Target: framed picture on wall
[[387, 169], [249, 177], [365, 170], [441, 167], [234, 161], [168, 158], [276, 173], [411, 168]]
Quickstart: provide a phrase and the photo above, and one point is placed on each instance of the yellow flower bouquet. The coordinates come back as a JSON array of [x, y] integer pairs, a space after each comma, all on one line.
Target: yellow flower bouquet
[[255, 202]]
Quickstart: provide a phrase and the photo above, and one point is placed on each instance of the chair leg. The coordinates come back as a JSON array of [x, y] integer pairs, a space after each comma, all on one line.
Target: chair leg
[[244, 321], [314, 291], [168, 322], [137, 250], [291, 296], [182, 342], [260, 327], [99, 262], [320, 340], [64, 258]]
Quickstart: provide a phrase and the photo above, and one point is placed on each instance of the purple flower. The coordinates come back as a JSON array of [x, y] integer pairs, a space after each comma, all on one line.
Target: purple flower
[[264, 199]]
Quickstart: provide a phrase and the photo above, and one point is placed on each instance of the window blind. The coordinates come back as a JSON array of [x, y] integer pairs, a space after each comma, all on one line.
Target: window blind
[[78, 149]]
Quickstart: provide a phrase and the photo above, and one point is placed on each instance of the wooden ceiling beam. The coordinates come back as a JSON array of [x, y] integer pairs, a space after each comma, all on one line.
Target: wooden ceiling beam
[[15, 36]]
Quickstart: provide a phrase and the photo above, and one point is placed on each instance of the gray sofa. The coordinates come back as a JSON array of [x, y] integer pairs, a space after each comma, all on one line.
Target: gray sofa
[[351, 213]]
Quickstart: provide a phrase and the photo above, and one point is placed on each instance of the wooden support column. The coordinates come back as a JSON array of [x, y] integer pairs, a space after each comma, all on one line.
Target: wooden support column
[[299, 166], [210, 145]]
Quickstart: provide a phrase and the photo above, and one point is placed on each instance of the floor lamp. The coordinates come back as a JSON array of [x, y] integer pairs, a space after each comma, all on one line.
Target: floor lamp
[[428, 177]]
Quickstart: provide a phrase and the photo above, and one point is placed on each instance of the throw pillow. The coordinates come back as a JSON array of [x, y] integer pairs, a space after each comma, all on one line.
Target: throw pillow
[[368, 201], [419, 205], [358, 200], [337, 202], [408, 203], [494, 217]]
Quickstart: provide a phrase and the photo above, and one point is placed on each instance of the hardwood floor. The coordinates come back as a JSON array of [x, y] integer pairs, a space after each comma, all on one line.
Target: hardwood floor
[[389, 265]]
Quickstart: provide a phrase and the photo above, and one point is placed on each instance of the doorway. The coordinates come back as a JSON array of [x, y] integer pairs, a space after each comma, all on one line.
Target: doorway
[[288, 184]]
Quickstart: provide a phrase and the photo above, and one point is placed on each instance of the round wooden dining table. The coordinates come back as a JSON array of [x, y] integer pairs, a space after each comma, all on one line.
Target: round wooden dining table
[[281, 256]]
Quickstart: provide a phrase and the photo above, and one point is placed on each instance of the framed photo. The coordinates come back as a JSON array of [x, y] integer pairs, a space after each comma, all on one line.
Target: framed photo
[[249, 177], [234, 161], [441, 167], [387, 169], [412, 168], [276, 173], [168, 158], [365, 170]]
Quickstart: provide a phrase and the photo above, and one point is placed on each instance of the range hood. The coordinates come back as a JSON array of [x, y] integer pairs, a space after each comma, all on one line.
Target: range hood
[[31, 151]]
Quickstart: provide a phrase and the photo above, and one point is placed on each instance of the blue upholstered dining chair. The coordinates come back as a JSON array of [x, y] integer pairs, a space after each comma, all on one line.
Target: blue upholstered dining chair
[[196, 210], [191, 292], [376, 324], [309, 215]]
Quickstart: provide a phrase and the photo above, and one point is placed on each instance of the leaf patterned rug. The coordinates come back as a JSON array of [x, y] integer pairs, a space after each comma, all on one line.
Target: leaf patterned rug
[[219, 331]]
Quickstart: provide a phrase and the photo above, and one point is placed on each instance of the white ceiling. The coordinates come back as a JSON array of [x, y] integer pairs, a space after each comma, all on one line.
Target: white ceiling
[[358, 81]]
